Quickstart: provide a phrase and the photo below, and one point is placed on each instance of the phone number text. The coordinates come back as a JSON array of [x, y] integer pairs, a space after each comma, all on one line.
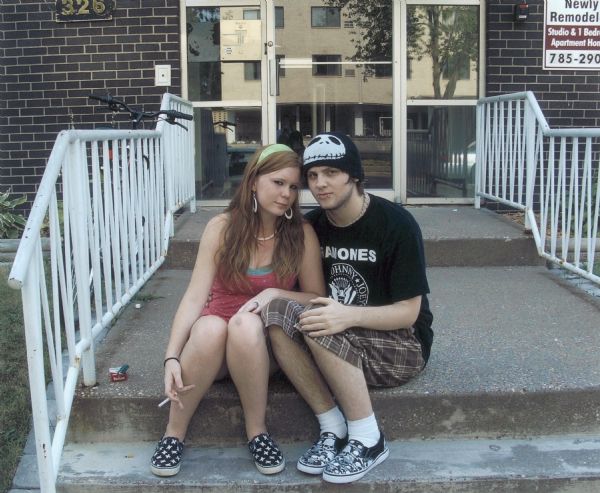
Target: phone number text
[[581, 60]]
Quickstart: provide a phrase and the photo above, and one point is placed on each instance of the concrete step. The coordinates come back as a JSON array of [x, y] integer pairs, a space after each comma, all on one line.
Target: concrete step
[[515, 355], [558, 464], [453, 236]]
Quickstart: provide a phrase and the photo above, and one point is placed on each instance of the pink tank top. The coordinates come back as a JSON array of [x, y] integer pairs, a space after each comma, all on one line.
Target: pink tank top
[[225, 303]]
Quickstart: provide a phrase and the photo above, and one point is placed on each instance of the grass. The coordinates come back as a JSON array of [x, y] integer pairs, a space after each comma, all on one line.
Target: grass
[[15, 411]]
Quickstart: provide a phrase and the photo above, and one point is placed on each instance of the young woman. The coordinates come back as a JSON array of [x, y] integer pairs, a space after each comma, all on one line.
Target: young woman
[[260, 248]]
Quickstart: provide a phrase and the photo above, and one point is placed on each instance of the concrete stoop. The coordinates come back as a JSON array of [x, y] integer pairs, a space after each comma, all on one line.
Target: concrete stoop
[[507, 360], [510, 363], [219, 418], [546, 464], [509, 400]]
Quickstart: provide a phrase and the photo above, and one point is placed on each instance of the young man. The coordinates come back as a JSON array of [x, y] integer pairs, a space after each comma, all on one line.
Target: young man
[[374, 329]]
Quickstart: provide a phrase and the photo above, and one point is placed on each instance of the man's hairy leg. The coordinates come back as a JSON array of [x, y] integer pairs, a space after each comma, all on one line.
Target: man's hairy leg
[[301, 370], [347, 382]]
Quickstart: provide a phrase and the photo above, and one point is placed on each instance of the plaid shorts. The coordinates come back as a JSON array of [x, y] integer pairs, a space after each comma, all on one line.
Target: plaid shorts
[[387, 358]]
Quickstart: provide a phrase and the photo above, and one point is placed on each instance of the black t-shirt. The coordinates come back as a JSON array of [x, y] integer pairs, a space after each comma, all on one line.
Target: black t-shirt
[[376, 261]]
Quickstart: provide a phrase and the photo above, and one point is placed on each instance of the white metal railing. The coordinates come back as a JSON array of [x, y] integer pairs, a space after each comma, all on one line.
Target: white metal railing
[[106, 201], [553, 175]]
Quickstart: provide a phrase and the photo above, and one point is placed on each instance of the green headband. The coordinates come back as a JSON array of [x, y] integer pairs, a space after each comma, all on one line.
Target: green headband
[[272, 149]]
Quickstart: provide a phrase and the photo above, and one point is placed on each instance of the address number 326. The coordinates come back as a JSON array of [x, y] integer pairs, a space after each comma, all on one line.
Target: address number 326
[[81, 7]]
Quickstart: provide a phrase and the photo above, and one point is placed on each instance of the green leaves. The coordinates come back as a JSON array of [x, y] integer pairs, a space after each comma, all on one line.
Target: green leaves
[[11, 222]]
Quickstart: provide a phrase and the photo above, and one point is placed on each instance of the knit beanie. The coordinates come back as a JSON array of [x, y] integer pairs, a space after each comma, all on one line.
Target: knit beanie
[[334, 149]]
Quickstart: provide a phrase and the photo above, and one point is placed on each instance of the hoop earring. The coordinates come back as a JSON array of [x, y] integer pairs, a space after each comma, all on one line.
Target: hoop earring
[[291, 214], [254, 203]]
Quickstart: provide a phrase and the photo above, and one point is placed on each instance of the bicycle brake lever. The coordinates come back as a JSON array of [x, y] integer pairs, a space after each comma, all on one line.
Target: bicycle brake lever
[[172, 121]]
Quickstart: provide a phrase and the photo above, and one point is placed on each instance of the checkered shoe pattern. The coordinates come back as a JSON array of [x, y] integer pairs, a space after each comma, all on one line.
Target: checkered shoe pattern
[[314, 460], [266, 454], [166, 460], [355, 460]]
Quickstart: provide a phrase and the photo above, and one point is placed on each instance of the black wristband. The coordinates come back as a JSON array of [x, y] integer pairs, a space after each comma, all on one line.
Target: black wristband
[[172, 357]]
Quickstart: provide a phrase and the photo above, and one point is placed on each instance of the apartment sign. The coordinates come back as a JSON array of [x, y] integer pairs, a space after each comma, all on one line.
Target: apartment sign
[[572, 35]]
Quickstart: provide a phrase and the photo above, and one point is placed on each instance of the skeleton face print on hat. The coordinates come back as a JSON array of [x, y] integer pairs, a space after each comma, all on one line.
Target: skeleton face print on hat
[[324, 147], [334, 149]]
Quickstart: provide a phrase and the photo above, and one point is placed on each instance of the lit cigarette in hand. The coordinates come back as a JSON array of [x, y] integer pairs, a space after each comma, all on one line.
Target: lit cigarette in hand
[[185, 388]]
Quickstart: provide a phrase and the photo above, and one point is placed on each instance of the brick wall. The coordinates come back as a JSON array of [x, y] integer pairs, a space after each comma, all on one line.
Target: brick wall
[[568, 98], [48, 68]]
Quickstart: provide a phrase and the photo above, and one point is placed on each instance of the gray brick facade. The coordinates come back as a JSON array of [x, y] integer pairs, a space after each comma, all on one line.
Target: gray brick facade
[[514, 51], [48, 68]]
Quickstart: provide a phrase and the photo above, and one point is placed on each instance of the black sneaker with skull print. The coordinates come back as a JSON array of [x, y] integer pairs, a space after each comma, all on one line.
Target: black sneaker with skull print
[[268, 459], [355, 460]]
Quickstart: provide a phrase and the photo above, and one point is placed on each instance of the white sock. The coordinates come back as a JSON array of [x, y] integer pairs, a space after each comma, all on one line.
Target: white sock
[[333, 421], [365, 430]]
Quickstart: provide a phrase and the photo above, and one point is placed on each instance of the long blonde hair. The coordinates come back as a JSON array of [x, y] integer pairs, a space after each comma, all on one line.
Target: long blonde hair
[[240, 235]]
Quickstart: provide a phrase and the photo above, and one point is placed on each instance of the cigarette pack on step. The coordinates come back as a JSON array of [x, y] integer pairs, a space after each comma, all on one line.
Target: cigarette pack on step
[[118, 373]]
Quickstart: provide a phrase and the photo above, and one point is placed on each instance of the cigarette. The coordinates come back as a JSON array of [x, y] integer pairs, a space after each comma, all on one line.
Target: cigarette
[[164, 402]]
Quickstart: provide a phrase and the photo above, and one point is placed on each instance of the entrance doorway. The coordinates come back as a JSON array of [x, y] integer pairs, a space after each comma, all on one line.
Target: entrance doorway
[[264, 71]]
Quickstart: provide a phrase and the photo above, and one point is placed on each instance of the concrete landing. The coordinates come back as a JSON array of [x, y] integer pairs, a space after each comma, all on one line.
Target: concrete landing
[[549, 464], [453, 236]]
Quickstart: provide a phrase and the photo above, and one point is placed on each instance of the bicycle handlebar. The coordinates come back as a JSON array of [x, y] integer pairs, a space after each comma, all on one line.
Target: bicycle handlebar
[[113, 103], [136, 116], [108, 99], [176, 114]]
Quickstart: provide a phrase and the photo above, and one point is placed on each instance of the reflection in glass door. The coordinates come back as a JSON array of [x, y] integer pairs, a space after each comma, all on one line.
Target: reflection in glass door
[[401, 77], [332, 79], [442, 87], [224, 81]]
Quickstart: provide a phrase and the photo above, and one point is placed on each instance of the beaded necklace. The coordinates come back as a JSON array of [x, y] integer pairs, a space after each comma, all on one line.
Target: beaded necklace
[[265, 238]]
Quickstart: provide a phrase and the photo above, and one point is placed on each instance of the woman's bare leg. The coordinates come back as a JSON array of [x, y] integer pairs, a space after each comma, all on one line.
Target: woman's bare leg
[[248, 362], [201, 360]]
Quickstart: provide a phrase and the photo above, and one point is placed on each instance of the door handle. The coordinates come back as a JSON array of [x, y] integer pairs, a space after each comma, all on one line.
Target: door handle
[[273, 78]]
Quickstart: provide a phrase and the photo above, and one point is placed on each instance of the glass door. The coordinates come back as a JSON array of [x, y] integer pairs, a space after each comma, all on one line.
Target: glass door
[[224, 60], [441, 53], [401, 77], [330, 78]]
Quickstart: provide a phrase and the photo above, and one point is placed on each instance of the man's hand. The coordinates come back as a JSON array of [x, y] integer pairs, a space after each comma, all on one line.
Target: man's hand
[[329, 318]]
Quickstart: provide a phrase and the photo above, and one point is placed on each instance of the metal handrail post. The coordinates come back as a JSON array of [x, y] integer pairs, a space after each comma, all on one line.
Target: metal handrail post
[[530, 127], [478, 154], [76, 167], [37, 384], [169, 178]]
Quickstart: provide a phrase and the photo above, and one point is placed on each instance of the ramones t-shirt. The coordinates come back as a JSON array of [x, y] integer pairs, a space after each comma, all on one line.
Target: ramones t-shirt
[[376, 261]]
